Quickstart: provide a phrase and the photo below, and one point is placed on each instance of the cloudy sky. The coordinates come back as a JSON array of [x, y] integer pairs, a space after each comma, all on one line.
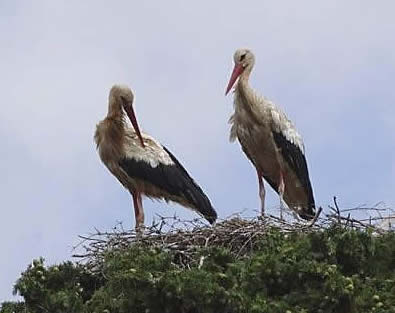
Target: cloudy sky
[[328, 64]]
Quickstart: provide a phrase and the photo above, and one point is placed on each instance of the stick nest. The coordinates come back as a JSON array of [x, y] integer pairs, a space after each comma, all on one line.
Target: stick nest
[[184, 238]]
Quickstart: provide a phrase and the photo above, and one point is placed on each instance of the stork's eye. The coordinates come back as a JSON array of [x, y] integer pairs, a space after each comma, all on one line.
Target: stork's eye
[[124, 101], [242, 57]]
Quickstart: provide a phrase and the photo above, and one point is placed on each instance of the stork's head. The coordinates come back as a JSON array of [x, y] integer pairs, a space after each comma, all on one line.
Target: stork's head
[[122, 96], [244, 61]]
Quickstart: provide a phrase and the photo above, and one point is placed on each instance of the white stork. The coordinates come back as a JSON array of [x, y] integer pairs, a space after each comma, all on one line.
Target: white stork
[[270, 141], [143, 165]]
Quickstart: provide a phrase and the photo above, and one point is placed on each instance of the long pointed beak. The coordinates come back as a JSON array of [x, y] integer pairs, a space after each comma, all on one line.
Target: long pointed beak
[[130, 112], [237, 70]]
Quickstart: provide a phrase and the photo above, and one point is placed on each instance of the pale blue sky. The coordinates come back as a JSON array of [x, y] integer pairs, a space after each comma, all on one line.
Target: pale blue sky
[[329, 65]]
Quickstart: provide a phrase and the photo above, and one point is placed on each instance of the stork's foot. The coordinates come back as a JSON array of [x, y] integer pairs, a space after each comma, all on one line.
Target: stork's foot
[[140, 228], [262, 208], [261, 217]]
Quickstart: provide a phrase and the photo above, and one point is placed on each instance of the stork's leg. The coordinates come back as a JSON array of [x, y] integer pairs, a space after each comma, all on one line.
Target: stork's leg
[[141, 210], [138, 210], [281, 187], [262, 191]]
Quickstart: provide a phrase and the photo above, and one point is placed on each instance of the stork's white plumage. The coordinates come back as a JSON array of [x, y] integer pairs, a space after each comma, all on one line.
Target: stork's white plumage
[[142, 164], [270, 141]]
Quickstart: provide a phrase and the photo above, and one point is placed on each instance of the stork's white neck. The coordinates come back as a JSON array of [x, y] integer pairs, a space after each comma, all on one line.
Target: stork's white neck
[[115, 110], [243, 89], [243, 83]]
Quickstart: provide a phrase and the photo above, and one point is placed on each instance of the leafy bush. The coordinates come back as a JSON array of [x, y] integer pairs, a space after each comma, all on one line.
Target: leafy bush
[[333, 270]]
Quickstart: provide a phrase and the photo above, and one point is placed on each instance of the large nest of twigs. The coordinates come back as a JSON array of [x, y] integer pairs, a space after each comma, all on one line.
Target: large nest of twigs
[[241, 236]]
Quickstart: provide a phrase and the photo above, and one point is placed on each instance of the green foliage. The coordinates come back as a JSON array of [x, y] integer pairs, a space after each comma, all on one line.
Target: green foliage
[[334, 270], [62, 288], [12, 307]]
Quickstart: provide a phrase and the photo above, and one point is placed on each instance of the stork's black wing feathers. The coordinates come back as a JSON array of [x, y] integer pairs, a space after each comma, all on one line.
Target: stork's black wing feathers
[[173, 179], [297, 161]]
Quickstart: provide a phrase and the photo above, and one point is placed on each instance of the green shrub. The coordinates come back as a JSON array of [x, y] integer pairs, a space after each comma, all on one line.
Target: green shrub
[[333, 270]]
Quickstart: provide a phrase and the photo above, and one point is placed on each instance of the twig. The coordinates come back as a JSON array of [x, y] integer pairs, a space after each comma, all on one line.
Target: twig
[[184, 238]]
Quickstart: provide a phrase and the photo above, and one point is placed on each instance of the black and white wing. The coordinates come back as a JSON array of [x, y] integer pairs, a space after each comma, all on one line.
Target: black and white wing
[[157, 166], [290, 146]]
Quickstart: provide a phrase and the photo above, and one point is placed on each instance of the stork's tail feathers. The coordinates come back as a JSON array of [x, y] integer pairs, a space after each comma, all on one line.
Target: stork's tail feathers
[[191, 191], [210, 215], [307, 213], [206, 209], [198, 199]]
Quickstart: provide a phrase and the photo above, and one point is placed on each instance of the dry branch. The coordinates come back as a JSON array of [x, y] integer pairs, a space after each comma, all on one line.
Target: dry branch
[[185, 238]]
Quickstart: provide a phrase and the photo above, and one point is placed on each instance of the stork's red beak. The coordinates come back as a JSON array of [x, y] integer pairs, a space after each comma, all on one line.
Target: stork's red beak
[[130, 112], [238, 69]]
